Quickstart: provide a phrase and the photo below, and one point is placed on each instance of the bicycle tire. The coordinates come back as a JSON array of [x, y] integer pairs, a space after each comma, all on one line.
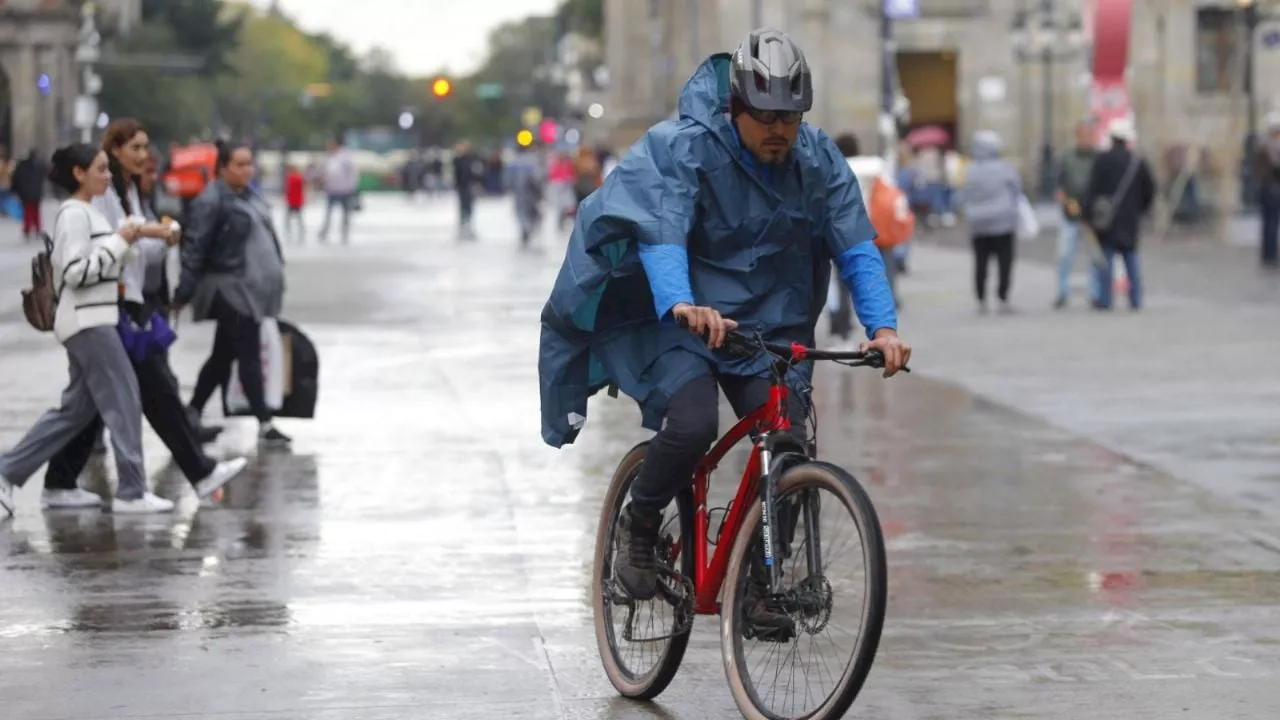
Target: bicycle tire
[[858, 503], [652, 683]]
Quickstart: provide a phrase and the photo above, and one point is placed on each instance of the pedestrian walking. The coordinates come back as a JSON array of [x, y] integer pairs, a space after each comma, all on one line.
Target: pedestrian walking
[[233, 274], [88, 258], [144, 303], [1121, 190], [990, 196], [1267, 170], [1074, 168], [527, 178], [465, 179], [341, 182], [295, 197], [28, 184]]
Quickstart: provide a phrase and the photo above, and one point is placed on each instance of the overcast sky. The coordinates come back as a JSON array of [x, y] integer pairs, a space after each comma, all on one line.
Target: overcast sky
[[424, 35]]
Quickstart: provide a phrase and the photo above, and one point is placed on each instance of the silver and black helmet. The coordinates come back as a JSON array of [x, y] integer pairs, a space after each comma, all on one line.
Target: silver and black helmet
[[768, 72]]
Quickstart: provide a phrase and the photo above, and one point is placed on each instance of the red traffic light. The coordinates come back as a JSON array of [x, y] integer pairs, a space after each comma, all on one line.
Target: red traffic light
[[441, 87]]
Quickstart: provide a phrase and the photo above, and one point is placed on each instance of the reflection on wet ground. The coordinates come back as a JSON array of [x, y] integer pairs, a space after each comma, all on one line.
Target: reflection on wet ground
[[422, 555]]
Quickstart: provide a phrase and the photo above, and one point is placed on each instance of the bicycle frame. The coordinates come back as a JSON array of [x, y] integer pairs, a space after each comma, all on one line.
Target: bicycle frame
[[709, 572]]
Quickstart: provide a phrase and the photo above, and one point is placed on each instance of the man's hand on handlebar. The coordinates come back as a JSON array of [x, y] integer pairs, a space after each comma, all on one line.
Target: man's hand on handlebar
[[896, 353], [704, 321]]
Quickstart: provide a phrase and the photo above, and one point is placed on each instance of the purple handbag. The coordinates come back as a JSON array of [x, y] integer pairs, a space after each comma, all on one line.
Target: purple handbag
[[141, 340]]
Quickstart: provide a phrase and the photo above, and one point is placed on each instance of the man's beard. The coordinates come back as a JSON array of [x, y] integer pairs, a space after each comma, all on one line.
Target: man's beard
[[773, 155]]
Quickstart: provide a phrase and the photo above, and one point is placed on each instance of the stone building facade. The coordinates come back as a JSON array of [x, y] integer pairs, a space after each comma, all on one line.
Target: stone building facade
[[1180, 77], [37, 55], [37, 38]]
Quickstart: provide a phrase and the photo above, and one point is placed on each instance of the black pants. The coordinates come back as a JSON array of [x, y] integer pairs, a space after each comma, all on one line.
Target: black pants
[[1269, 198], [692, 425], [984, 246], [165, 412], [236, 339]]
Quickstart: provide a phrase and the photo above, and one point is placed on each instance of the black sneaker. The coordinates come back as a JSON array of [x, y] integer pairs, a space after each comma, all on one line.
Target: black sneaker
[[636, 564], [272, 437], [764, 620]]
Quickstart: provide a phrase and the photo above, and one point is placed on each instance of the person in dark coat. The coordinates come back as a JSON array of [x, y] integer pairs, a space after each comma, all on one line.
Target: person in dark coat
[[1267, 172], [1121, 190], [465, 179], [28, 185]]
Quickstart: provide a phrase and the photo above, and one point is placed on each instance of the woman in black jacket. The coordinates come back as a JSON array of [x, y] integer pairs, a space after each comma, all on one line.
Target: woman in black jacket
[[1121, 191], [233, 273]]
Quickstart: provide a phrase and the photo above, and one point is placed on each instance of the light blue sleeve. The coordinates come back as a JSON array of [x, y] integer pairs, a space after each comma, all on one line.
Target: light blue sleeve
[[862, 269], [651, 196], [849, 238], [667, 267]]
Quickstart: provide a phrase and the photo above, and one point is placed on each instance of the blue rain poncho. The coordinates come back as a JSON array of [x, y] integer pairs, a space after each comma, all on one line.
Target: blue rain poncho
[[689, 216]]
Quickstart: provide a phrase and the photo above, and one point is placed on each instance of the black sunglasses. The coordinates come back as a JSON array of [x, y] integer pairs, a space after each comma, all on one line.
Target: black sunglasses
[[769, 117]]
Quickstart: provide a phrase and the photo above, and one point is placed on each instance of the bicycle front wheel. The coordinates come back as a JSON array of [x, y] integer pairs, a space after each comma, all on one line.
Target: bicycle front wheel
[[805, 651]]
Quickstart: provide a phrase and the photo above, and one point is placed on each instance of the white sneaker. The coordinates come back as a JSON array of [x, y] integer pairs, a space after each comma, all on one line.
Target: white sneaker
[[149, 503], [6, 495], [67, 499], [223, 473]]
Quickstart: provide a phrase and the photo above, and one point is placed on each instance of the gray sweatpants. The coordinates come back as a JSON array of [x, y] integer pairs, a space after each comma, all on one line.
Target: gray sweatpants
[[102, 383]]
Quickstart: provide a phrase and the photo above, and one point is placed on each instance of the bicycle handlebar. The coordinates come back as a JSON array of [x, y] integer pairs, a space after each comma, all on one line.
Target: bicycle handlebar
[[743, 345]]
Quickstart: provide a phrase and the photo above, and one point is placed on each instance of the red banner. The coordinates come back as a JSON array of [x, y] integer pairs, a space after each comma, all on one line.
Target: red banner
[[1109, 96]]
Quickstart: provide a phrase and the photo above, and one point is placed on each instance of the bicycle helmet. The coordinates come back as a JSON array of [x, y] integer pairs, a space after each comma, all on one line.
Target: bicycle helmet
[[768, 72]]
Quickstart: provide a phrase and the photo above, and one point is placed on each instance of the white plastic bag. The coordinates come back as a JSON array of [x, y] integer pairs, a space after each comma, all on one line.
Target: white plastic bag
[[1028, 223], [271, 348]]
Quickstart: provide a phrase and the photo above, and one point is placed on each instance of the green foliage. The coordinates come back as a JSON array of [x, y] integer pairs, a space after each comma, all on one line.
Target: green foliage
[[199, 27], [171, 106], [271, 68], [585, 17], [259, 66]]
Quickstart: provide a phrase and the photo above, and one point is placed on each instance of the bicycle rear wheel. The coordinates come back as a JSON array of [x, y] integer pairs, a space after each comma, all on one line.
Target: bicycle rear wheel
[[834, 599], [641, 643]]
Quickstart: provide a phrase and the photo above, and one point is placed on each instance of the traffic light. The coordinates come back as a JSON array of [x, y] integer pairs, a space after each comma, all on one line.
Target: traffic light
[[524, 138], [441, 87]]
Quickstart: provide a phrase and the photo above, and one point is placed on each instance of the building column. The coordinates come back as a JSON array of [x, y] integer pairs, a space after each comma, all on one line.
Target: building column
[[47, 120], [25, 100], [67, 88]]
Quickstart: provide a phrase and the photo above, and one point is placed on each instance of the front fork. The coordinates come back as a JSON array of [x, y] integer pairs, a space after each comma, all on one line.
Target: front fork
[[771, 529]]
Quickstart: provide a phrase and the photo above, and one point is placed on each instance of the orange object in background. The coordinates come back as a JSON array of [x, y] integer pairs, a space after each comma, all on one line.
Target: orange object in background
[[890, 214], [191, 169]]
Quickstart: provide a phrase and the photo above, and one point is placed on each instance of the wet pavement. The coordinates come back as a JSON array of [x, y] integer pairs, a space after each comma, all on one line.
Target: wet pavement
[[421, 554]]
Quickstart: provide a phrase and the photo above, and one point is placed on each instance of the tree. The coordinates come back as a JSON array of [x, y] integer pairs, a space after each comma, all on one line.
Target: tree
[[205, 28], [521, 59], [172, 106], [262, 95], [585, 17], [343, 65]]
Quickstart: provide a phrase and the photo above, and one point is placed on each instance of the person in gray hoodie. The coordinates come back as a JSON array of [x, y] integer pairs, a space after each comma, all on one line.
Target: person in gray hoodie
[[990, 196]]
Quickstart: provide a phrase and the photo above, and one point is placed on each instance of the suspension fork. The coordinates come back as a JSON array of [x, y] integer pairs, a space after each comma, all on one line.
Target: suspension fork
[[768, 494], [813, 540]]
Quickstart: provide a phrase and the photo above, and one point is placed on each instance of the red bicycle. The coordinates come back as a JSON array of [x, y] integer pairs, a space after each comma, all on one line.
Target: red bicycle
[[771, 537]]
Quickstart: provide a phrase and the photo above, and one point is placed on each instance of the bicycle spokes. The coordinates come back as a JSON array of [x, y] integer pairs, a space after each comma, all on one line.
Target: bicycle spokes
[[820, 591], [675, 590]]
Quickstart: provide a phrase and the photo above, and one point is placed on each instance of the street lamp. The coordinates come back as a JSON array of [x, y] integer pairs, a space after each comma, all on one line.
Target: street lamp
[[1043, 35]]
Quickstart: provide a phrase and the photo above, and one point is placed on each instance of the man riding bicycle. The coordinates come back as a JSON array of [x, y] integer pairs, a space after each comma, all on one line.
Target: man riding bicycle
[[735, 210]]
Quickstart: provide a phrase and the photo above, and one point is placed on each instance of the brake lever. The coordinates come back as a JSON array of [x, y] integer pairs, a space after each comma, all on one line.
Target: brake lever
[[875, 359]]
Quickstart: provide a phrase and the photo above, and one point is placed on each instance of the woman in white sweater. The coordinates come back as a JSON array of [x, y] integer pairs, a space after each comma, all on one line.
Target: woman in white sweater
[[88, 256], [127, 146]]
